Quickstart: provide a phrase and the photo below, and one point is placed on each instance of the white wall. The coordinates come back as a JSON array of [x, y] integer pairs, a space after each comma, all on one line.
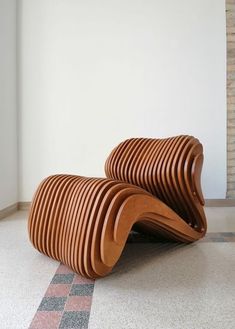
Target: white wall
[[96, 72], [8, 114]]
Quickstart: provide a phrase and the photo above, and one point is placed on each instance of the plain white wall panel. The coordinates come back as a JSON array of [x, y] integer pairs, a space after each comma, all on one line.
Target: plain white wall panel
[[96, 72]]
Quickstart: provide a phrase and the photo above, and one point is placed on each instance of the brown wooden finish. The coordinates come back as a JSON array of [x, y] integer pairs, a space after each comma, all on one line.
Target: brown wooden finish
[[170, 169], [153, 185]]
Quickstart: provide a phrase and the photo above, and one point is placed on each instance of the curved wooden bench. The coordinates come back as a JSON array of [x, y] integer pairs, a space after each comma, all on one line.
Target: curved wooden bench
[[153, 185]]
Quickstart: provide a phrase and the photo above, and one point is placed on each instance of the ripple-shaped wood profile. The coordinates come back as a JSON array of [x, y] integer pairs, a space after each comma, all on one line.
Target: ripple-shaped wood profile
[[153, 185]]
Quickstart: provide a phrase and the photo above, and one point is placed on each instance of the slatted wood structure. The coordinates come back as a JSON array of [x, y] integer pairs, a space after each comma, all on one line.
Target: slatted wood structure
[[152, 185]]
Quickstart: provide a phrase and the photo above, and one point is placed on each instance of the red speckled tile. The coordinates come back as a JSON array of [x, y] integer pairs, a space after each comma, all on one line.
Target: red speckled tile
[[58, 308], [78, 279], [46, 320], [58, 290], [78, 303]]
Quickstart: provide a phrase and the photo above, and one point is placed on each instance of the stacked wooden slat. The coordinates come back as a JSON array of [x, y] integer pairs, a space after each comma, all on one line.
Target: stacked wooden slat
[[168, 168], [154, 184]]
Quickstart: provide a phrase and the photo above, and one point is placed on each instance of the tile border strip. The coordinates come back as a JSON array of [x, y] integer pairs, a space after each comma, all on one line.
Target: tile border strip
[[67, 301]]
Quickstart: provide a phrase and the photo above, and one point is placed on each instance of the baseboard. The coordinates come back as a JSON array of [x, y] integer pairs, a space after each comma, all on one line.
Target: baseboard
[[24, 205], [220, 202], [5, 212], [8, 210]]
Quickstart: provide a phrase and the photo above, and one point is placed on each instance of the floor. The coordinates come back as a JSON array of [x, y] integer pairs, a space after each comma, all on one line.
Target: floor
[[155, 285]]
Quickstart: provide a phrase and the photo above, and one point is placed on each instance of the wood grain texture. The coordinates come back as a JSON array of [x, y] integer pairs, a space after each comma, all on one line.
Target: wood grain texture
[[169, 169], [152, 185]]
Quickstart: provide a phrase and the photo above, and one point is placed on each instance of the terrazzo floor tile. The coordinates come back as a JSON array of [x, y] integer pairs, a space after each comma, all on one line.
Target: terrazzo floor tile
[[78, 303], [220, 219], [24, 273], [71, 295], [82, 290], [63, 278], [52, 304], [78, 279], [72, 320], [155, 285], [188, 287], [46, 320], [58, 290]]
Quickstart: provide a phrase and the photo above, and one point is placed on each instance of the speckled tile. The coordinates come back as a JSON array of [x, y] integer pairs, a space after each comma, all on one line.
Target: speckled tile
[[82, 290], [74, 320], [52, 304], [78, 279], [176, 287], [58, 290], [71, 300], [78, 303], [220, 219], [24, 273], [167, 286], [46, 320], [63, 278]]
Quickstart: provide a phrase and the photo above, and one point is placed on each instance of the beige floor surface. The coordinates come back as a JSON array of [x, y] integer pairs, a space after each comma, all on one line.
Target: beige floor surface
[[157, 286], [153, 286], [24, 273]]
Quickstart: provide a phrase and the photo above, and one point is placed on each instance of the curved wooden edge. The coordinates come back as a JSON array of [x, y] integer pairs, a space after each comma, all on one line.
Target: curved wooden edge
[[170, 169], [144, 209], [85, 222]]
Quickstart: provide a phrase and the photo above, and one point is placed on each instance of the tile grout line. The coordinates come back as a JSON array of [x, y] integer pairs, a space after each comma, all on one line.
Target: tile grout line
[[65, 303]]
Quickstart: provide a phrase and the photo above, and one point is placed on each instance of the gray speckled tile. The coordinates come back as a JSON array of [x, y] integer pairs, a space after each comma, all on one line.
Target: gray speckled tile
[[63, 278], [220, 219], [72, 320], [82, 290], [168, 287], [52, 304]]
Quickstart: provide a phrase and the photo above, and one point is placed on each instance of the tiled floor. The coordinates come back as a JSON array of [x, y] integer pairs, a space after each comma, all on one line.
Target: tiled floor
[[155, 285], [159, 286], [221, 219], [24, 274], [67, 302]]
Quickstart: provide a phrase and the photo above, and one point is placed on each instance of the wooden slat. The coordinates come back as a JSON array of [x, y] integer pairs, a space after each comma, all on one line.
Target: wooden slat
[[85, 222]]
